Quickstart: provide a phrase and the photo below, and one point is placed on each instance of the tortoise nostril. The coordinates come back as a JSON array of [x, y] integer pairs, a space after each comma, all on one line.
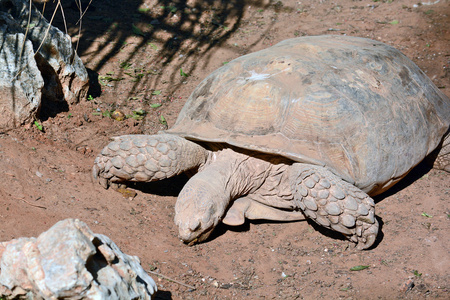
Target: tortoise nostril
[[195, 225]]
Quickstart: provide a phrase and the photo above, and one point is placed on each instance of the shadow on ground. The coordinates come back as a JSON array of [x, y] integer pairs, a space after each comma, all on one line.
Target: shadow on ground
[[181, 30]]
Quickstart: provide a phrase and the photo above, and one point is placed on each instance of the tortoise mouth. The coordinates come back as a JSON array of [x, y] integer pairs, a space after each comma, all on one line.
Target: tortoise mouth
[[192, 237]]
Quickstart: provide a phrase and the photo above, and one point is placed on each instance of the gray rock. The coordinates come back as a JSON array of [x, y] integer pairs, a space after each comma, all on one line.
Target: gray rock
[[70, 262], [63, 78], [20, 96]]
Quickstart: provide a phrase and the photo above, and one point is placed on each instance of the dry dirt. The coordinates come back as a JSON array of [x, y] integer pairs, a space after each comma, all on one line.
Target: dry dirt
[[134, 52]]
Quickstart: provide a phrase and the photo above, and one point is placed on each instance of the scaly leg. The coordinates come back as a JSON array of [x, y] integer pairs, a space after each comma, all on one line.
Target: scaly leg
[[334, 203]]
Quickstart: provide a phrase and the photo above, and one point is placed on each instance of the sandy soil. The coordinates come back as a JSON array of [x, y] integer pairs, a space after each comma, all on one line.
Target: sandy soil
[[134, 52]]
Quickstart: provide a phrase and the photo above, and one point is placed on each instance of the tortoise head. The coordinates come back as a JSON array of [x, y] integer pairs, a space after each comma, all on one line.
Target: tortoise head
[[199, 208]]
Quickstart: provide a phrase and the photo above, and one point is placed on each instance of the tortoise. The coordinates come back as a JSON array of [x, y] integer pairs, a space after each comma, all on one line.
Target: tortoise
[[312, 127]]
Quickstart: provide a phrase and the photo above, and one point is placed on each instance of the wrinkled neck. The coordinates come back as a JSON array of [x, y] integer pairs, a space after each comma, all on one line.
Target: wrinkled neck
[[241, 173]]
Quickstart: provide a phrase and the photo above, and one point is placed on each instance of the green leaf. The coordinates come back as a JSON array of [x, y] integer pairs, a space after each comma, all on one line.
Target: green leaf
[[157, 92], [153, 46], [182, 73], [359, 268], [426, 215], [155, 105], [138, 114], [38, 125], [106, 113], [394, 22], [124, 65], [417, 274], [137, 31], [162, 120]]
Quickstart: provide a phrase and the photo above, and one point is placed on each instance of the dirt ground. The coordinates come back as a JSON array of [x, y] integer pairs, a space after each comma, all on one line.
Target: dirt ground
[[148, 57]]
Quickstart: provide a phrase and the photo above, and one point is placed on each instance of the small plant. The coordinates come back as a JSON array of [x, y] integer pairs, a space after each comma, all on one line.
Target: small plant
[[136, 30], [106, 113], [162, 120], [90, 98], [359, 268], [182, 73], [417, 274], [155, 105], [38, 125], [125, 65], [157, 92], [424, 214], [153, 46], [137, 114], [69, 116], [144, 9]]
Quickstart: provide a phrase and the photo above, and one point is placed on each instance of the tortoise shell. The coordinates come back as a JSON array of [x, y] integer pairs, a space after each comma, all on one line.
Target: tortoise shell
[[356, 106]]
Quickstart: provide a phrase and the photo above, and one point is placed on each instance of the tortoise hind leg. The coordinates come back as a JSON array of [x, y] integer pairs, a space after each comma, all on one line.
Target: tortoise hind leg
[[441, 155], [334, 203], [247, 208]]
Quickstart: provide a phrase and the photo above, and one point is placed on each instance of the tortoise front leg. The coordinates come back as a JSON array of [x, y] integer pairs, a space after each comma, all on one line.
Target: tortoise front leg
[[334, 203], [146, 158]]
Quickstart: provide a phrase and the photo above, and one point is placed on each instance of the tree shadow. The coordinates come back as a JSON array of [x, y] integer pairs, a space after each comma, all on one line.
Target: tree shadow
[[186, 32]]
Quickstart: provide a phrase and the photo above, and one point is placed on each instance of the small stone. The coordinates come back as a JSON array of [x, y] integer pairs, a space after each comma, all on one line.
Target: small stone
[[333, 208]]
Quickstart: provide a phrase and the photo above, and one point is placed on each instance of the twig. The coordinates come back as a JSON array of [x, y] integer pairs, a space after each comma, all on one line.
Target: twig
[[173, 280], [35, 205]]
